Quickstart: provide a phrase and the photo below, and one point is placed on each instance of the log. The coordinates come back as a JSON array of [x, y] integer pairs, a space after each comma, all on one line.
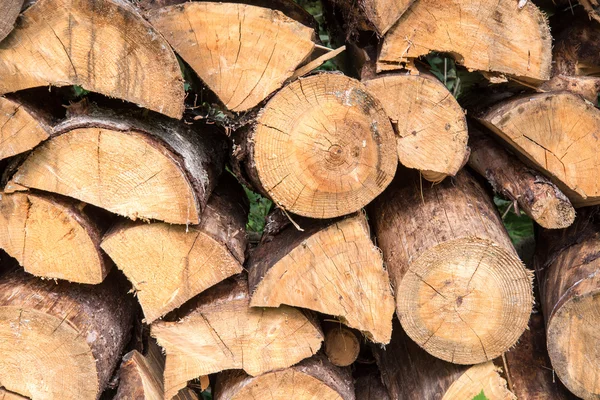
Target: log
[[341, 344], [409, 373], [372, 15], [536, 195], [244, 52], [520, 38], [312, 379], [149, 169], [104, 46], [52, 237], [217, 331], [576, 48], [331, 267], [461, 291], [587, 87], [566, 264], [370, 387], [322, 147], [60, 340], [169, 264], [555, 132], [430, 125], [9, 11]]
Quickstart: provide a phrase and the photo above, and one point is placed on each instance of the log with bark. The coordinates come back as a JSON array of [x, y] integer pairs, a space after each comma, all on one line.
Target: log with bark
[[104, 46], [9, 11], [331, 267], [218, 330], [430, 125], [341, 344], [567, 264], [370, 387], [520, 38], [321, 147], [61, 340], [154, 168], [576, 52], [312, 379], [169, 264], [535, 194], [461, 291], [242, 52], [556, 133], [372, 15]]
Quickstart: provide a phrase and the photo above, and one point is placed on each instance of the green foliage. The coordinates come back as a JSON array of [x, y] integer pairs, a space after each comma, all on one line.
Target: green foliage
[[480, 396], [79, 91], [259, 209], [315, 8], [206, 395], [519, 227], [444, 68]]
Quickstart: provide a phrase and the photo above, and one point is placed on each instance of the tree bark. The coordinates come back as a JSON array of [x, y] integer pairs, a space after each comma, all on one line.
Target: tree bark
[[9, 11], [372, 15], [370, 387]]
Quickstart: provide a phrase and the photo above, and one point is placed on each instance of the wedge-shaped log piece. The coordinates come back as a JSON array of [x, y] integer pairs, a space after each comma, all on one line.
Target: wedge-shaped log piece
[[104, 46], [218, 330], [312, 379], [322, 147], [377, 15], [169, 264], [52, 237], [461, 291], [61, 340], [157, 169], [430, 125], [332, 267], [484, 35], [557, 132], [242, 52]]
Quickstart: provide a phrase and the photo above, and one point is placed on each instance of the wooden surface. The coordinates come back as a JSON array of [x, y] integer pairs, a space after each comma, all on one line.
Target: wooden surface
[[9, 11], [370, 387], [341, 345], [377, 15]]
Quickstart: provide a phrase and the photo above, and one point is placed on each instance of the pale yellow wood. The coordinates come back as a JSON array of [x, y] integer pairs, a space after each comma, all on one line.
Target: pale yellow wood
[[102, 45], [383, 14], [242, 52], [480, 377], [6, 395], [19, 130], [485, 35]]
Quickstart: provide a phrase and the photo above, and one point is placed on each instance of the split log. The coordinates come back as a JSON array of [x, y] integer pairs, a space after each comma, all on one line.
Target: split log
[[331, 267], [461, 291], [520, 37], [409, 373], [52, 237], [370, 387], [567, 265], [341, 344], [61, 340], [244, 53], [430, 124], [169, 264], [218, 331], [373, 15], [555, 132], [534, 193], [312, 379], [151, 169], [322, 147], [9, 11], [105, 46]]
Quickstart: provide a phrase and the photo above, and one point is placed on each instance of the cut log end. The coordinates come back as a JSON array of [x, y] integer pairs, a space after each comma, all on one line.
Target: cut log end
[[484, 377], [20, 131], [341, 346], [553, 212]]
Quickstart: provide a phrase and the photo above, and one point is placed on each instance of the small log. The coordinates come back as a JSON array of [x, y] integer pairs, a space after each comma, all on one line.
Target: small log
[[341, 344], [535, 194], [52, 237], [322, 147], [370, 387], [9, 11], [430, 124], [520, 37], [169, 264], [105, 46], [373, 15], [245, 52], [556, 133], [461, 291], [331, 267], [312, 379], [61, 340], [409, 373], [567, 264], [218, 331], [151, 169]]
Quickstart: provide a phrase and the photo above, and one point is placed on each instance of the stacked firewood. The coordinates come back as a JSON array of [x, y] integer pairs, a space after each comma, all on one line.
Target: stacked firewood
[[129, 129]]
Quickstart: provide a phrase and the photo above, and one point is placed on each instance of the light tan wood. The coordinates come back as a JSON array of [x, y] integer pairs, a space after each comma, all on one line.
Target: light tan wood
[[9, 11], [218, 330], [322, 147], [341, 345], [242, 52], [557, 133], [104, 46], [430, 125], [587, 87], [377, 15], [484, 35], [51, 237], [333, 268], [481, 377], [6, 395]]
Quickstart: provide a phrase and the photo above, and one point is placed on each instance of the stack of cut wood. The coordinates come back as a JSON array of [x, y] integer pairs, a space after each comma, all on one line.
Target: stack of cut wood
[[131, 132]]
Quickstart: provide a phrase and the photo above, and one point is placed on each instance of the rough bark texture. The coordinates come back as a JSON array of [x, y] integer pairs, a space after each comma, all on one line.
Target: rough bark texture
[[542, 200], [341, 345], [576, 48], [370, 387], [587, 87], [9, 11], [461, 291], [375, 15], [61, 340]]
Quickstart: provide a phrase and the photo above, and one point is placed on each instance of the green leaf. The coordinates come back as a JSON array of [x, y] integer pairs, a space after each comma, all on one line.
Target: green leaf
[[519, 227], [480, 396], [259, 209], [79, 91]]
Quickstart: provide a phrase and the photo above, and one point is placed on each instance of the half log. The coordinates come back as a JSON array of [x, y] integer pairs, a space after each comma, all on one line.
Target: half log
[[218, 330], [9, 11], [461, 291], [61, 340]]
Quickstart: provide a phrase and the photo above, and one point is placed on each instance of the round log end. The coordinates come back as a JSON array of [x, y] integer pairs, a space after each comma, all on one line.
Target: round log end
[[553, 212], [341, 346]]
